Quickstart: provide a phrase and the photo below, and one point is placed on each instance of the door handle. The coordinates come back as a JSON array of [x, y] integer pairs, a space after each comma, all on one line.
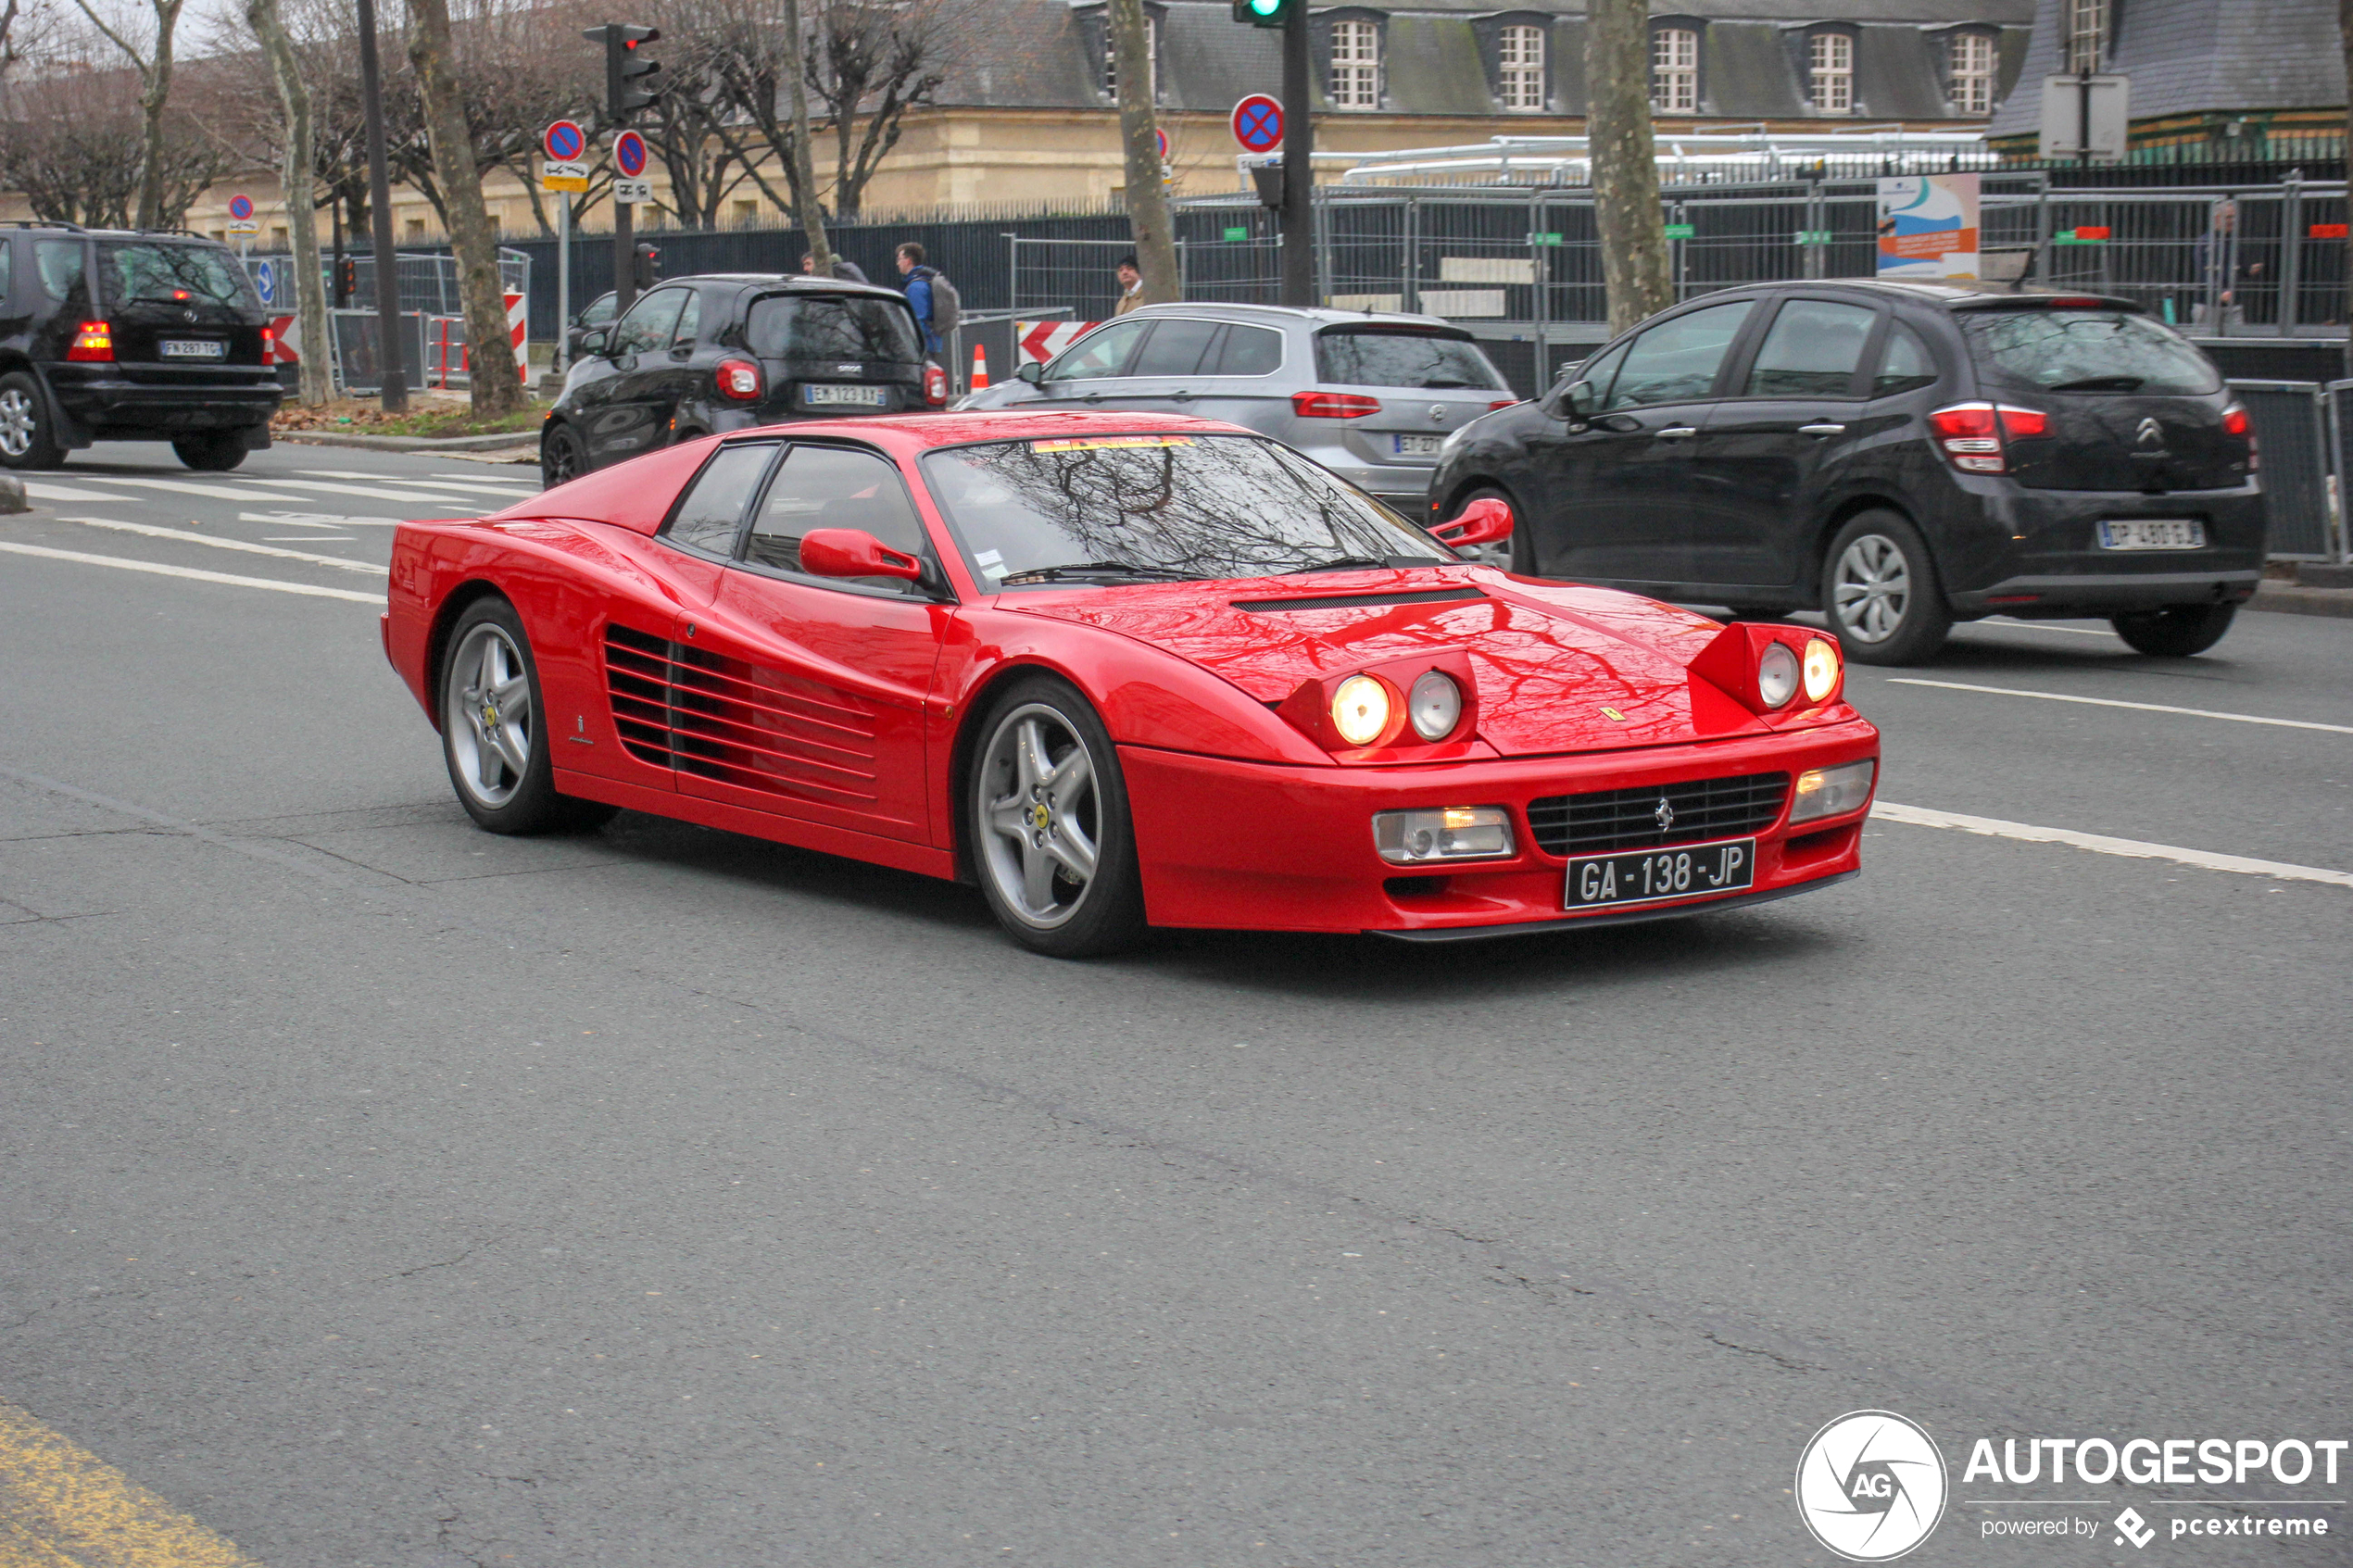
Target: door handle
[[1823, 429], [1677, 432]]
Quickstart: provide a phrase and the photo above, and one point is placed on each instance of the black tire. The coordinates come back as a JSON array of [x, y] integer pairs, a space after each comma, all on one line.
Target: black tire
[[1893, 604], [515, 801], [1517, 555], [27, 434], [2177, 631], [216, 452], [1060, 914], [562, 458]]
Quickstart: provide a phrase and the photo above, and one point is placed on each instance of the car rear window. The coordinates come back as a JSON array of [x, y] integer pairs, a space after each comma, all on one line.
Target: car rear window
[[1379, 356], [2087, 351], [136, 269], [832, 327]]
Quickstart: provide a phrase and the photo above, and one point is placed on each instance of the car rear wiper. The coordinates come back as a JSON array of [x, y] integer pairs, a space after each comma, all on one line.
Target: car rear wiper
[[1345, 563], [2101, 383], [1098, 568]]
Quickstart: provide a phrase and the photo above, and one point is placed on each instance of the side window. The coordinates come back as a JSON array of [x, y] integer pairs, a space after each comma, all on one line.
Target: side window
[[1103, 352], [714, 505], [1175, 348], [1251, 351], [835, 487], [1599, 372], [690, 325], [60, 263], [1676, 361], [7, 268], [1907, 366], [1813, 351], [646, 327], [599, 313]]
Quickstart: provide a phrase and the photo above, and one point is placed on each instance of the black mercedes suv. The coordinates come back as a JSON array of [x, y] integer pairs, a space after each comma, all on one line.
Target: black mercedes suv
[[705, 354], [108, 334], [1900, 455]]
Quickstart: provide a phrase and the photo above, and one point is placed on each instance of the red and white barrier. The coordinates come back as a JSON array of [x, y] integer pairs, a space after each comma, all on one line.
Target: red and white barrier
[[287, 334], [1036, 341], [518, 332]]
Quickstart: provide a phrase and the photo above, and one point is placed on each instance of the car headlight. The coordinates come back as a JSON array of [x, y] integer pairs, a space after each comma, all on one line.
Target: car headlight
[[1435, 705], [1821, 669], [1450, 833], [1833, 791], [1776, 674], [1360, 711]]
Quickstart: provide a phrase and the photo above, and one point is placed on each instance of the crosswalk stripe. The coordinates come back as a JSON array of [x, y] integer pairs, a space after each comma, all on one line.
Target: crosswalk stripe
[[192, 573], [42, 490], [182, 486], [492, 487], [345, 563], [377, 492]]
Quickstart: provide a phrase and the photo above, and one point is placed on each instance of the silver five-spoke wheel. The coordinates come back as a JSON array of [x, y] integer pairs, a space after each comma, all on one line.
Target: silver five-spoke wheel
[[17, 421], [489, 717], [1872, 588], [1042, 807]]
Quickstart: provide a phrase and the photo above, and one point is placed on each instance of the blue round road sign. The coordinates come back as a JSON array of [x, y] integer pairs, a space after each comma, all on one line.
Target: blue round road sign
[[564, 141], [1258, 123], [241, 207], [265, 282], [629, 154]]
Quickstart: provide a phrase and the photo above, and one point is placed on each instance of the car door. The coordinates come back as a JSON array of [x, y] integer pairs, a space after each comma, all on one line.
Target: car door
[[682, 374], [619, 415], [1619, 484], [1239, 381], [1094, 368], [1771, 443], [1168, 370], [809, 692]]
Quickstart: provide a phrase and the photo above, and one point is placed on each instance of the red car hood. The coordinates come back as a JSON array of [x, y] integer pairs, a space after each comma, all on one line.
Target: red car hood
[[1550, 658]]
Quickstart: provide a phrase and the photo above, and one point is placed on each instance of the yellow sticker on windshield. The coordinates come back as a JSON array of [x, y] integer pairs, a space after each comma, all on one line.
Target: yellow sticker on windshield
[[1088, 442]]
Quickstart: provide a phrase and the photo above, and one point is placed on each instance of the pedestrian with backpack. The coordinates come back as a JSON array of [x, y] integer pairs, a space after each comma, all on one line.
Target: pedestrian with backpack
[[936, 302]]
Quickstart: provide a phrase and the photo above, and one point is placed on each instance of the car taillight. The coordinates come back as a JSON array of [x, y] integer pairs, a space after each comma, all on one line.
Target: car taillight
[[92, 340], [2234, 420], [268, 345], [935, 386], [738, 378], [1973, 433], [1333, 404]]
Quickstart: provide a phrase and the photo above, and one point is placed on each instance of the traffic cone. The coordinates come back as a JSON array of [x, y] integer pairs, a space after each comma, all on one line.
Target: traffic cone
[[980, 369]]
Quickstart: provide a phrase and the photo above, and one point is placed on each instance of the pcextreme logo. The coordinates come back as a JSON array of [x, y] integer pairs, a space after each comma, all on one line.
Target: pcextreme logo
[[1870, 1486]]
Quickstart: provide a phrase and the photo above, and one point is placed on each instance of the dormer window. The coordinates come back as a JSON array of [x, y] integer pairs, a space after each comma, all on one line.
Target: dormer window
[[1110, 56], [1674, 70], [1972, 90], [1520, 68], [2087, 25], [1355, 65], [1831, 73]]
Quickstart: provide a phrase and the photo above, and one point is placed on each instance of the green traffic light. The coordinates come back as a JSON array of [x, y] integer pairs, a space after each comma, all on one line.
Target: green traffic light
[[1265, 8]]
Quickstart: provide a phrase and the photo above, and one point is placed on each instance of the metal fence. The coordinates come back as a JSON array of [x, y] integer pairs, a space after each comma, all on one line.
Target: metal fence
[[2304, 432]]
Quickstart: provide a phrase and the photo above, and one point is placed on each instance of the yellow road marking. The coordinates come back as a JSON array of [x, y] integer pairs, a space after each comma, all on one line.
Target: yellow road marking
[[62, 1506]]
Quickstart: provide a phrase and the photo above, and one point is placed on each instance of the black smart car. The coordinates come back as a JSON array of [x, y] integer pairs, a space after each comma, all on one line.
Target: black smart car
[[1902, 455], [114, 335], [705, 354]]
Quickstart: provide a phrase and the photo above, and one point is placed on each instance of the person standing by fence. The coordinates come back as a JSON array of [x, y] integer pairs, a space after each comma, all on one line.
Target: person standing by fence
[[847, 270], [932, 296], [1131, 283]]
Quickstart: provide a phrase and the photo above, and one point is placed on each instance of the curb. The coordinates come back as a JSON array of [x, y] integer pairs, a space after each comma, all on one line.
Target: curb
[[2293, 599], [409, 442]]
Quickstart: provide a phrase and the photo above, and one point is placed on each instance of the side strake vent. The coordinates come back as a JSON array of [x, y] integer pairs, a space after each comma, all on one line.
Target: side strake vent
[[680, 706]]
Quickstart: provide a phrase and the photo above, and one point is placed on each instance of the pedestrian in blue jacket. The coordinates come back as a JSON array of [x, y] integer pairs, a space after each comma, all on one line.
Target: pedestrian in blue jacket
[[918, 285]]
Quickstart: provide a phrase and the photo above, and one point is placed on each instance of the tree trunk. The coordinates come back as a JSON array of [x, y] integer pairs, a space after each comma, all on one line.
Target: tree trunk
[[804, 169], [155, 94], [490, 358], [1146, 198], [317, 384], [1618, 125]]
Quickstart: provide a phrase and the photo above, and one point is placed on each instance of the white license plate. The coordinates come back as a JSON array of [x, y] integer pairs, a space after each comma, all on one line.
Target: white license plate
[[852, 396], [1417, 446], [2153, 533], [1646, 876], [195, 349]]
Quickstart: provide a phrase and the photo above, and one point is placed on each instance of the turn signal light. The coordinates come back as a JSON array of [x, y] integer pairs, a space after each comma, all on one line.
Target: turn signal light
[[935, 386], [1973, 433], [91, 341], [1333, 404], [738, 378]]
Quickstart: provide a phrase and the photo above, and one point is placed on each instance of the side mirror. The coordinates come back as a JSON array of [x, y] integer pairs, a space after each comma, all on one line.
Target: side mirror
[[1485, 522], [853, 552], [1580, 400], [1034, 372], [594, 343]]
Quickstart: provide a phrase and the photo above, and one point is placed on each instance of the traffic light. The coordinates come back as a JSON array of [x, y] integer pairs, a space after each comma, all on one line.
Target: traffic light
[[623, 66], [1264, 13], [648, 267]]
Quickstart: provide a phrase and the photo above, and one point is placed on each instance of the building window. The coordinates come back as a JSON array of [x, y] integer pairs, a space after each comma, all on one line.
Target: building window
[[1356, 66], [2087, 35], [1972, 73], [1521, 57], [1832, 59], [1111, 55], [1674, 70]]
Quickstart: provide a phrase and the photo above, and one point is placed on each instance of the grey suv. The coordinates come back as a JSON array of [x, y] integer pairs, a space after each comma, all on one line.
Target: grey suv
[[1371, 397]]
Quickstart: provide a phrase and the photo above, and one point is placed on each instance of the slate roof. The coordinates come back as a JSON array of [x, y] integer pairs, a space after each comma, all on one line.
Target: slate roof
[[2192, 57]]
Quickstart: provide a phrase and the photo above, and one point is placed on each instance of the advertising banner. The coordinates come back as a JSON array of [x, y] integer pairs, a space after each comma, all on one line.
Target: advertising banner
[[1928, 227]]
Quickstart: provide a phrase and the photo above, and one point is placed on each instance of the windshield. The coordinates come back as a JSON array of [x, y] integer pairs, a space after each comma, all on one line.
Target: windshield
[[1129, 507], [832, 327], [2087, 351], [139, 270], [1356, 357]]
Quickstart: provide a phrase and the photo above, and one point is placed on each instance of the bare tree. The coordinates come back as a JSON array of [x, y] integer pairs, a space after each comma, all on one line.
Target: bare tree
[[295, 176], [1146, 198], [152, 58], [73, 146], [491, 371], [1617, 126], [872, 60], [804, 175]]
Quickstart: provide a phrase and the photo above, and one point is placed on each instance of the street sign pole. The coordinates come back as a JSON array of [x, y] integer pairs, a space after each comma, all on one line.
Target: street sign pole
[[564, 284], [1299, 168]]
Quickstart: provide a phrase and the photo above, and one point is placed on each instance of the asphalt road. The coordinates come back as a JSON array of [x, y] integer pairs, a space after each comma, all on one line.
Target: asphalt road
[[380, 1192]]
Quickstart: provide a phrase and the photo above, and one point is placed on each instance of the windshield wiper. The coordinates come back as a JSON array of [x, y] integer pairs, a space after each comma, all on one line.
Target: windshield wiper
[[2101, 383], [1098, 568], [1345, 563]]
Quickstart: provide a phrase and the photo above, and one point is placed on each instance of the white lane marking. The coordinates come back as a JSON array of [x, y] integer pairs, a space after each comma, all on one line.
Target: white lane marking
[[2045, 626], [531, 484], [311, 538], [2133, 848], [494, 487], [42, 490], [373, 492], [152, 531], [317, 520], [183, 486], [190, 572], [2113, 702]]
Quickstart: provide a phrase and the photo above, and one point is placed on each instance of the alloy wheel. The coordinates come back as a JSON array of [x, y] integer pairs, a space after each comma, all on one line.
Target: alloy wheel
[[1871, 588], [17, 423], [1042, 815], [488, 715], [560, 461]]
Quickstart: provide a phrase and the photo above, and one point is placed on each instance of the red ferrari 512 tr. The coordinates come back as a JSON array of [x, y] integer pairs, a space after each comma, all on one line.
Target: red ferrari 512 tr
[[1120, 670]]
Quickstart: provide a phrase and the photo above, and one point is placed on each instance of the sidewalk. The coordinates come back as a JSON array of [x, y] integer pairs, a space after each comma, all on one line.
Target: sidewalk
[[2318, 590]]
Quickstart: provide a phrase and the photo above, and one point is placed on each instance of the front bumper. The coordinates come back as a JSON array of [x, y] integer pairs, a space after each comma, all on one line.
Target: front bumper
[[1263, 847]]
